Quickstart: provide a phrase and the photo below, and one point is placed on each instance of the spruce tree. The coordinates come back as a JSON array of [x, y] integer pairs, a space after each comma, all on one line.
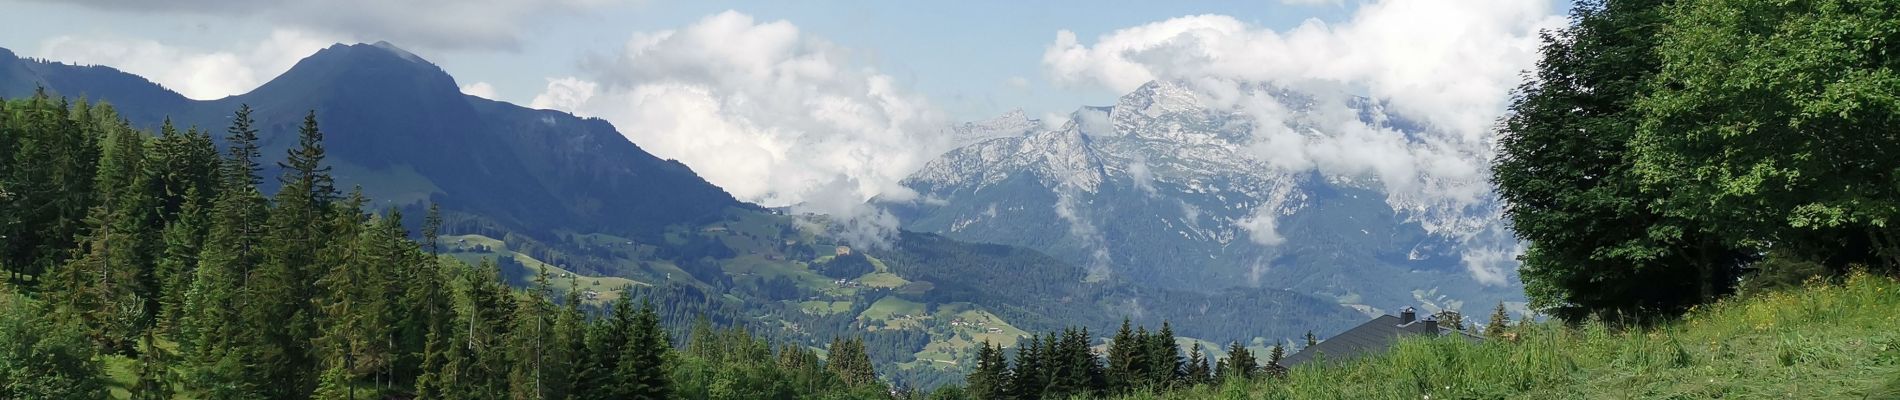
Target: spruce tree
[[106, 287], [177, 265], [850, 363], [1239, 364], [1499, 323], [1274, 356], [1164, 357], [643, 373], [1028, 380], [532, 340], [1123, 361], [990, 379], [1197, 370]]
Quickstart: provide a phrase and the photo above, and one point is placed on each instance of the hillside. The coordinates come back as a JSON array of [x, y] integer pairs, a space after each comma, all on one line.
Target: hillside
[[535, 188], [400, 127], [1824, 341]]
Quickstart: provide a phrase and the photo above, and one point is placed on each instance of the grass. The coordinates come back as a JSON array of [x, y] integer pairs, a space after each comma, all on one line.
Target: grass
[[1832, 341], [887, 310], [961, 342], [608, 286]]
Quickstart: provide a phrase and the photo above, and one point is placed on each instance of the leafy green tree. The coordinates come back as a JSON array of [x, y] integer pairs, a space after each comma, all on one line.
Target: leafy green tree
[[1599, 239], [44, 358], [1770, 123]]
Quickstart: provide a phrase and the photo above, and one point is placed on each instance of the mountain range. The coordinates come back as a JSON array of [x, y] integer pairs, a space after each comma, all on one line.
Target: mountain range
[[541, 189], [1163, 188]]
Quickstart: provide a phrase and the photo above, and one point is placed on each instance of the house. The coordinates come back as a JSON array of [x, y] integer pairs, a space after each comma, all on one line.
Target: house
[[1375, 336]]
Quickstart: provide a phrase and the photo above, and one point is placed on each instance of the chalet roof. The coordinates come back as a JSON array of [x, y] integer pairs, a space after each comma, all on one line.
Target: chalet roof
[[1371, 337]]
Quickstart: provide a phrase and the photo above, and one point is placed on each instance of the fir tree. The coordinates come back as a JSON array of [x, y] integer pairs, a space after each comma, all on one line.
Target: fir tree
[[990, 379], [1239, 364], [1499, 323], [642, 373], [1197, 370], [1164, 357], [532, 337], [1274, 356], [850, 363]]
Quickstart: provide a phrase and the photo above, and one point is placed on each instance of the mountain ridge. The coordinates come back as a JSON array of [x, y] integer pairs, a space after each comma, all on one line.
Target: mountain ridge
[[1217, 216]]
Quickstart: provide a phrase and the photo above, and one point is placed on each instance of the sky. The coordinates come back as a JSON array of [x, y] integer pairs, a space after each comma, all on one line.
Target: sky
[[827, 104]]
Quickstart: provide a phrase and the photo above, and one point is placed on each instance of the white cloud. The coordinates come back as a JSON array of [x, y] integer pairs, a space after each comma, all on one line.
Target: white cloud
[[435, 24], [480, 89], [760, 108], [195, 73], [1448, 65]]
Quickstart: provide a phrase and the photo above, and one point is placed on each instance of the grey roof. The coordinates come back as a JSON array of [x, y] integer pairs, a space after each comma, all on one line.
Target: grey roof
[[1371, 337]]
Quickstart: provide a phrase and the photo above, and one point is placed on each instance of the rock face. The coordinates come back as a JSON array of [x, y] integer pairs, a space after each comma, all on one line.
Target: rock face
[[1166, 190]]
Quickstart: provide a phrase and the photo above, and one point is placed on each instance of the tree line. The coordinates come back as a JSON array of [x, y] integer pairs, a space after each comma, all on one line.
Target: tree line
[[1066, 364], [161, 252]]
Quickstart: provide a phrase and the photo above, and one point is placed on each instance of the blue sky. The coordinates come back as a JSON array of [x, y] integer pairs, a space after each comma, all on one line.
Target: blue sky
[[962, 55]]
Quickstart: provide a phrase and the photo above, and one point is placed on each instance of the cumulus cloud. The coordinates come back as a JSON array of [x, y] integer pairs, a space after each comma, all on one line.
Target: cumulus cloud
[[480, 89], [770, 113], [195, 73], [1453, 63], [1403, 92], [440, 24]]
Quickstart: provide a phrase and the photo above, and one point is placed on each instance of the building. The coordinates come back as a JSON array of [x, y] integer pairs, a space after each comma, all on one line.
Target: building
[[1375, 336]]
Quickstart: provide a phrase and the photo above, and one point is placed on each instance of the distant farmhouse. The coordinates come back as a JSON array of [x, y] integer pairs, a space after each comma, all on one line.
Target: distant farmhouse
[[1375, 337]]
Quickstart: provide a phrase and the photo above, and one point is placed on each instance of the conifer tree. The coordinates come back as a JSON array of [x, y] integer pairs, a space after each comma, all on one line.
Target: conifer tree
[[1499, 323], [1027, 380], [642, 373], [1164, 357], [177, 265], [1197, 370], [1274, 356], [532, 341], [1123, 360], [850, 363], [990, 379], [285, 316], [106, 286], [1239, 364]]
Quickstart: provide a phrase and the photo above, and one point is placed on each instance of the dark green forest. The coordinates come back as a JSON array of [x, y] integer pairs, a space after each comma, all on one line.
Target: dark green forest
[[160, 249]]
